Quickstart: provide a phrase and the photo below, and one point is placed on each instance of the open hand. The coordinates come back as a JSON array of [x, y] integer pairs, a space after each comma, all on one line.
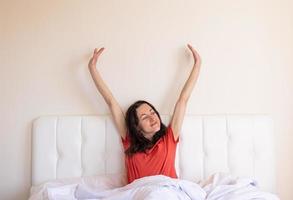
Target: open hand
[[94, 58], [196, 57]]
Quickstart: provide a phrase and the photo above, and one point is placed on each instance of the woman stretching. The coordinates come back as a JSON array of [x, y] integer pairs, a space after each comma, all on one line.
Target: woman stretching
[[150, 146]]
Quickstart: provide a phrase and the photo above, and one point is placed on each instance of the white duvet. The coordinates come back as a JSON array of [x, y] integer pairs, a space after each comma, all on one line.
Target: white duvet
[[110, 187]]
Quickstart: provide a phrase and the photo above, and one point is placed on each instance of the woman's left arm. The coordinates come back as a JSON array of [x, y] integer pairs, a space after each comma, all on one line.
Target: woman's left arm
[[180, 107]]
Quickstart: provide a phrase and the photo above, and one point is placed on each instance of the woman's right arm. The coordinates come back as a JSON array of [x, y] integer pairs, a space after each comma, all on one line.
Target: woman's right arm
[[116, 111]]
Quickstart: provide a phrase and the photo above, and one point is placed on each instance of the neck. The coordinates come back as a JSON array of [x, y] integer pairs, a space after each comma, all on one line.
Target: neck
[[149, 136]]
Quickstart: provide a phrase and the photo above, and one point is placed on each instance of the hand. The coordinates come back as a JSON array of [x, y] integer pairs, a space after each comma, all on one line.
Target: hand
[[94, 58], [196, 57]]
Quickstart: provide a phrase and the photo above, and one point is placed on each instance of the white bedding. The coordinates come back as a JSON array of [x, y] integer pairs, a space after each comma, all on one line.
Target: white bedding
[[66, 188], [111, 187]]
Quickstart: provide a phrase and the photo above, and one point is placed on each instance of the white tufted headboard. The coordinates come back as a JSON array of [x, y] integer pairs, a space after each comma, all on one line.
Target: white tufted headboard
[[74, 146]]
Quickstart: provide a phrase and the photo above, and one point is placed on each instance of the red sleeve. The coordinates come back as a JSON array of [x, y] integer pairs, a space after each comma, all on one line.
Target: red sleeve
[[126, 141], [171, 134]]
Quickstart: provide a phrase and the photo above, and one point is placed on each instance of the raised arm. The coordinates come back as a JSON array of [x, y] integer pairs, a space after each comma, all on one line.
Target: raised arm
[[180, 107], [116, 111]]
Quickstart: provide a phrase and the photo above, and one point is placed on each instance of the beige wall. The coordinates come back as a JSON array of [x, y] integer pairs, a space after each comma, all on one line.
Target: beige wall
[[246, 48]]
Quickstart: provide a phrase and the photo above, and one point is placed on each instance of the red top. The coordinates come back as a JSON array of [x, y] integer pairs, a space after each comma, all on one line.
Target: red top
[[159, 160]]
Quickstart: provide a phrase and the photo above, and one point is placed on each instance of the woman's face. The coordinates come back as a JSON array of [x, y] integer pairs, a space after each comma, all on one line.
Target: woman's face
[[148, 121]]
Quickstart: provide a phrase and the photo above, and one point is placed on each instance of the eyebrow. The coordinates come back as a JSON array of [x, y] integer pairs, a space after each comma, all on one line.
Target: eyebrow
[[145, 114]]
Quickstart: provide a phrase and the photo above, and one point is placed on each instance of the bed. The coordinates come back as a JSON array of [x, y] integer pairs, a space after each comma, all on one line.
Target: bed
[[80, 146]]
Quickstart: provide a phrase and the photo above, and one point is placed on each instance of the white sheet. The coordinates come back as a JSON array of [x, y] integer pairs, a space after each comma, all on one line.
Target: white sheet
[[65, 188], [221, 186], [151, 187], [217, 187]]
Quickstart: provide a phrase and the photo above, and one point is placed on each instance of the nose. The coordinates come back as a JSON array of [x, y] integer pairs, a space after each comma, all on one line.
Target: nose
[[152, 118]]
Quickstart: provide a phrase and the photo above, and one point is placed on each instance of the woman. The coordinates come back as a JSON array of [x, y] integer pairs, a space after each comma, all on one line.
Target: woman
[[150, 146]]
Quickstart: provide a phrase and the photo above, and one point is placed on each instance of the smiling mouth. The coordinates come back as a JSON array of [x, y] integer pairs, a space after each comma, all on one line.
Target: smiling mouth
[[154, 124]]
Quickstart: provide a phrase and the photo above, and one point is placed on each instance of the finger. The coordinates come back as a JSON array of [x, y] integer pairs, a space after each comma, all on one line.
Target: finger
[[97, 52], [189, 46], [191, 49], [195, 54]]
